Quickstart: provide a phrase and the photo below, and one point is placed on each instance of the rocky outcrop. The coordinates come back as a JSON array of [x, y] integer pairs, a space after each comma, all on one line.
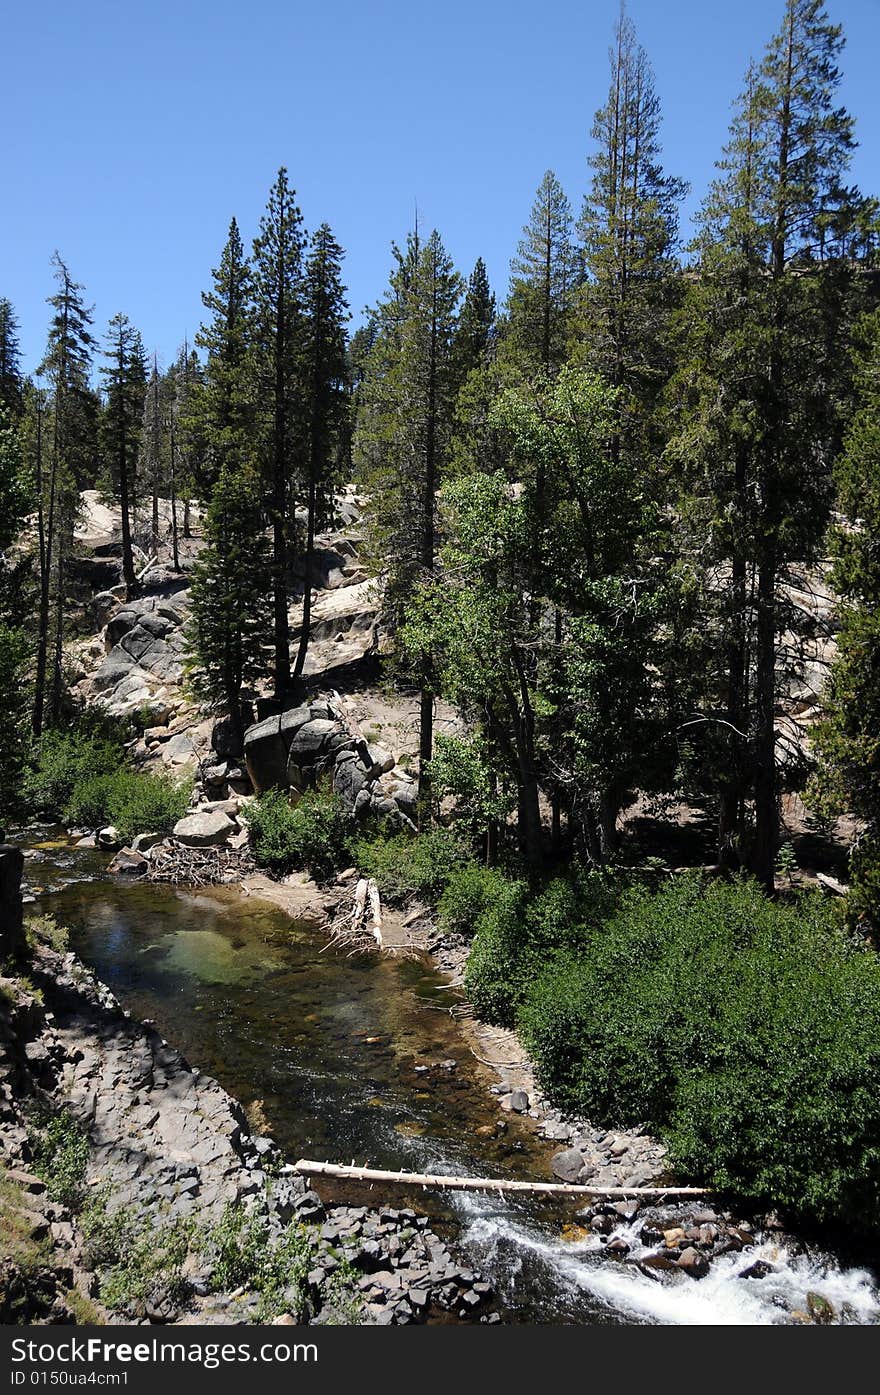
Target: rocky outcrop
[[143, 664], [300, 746]]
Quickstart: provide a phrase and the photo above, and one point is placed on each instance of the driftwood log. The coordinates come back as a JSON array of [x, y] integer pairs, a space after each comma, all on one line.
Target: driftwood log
[[440, 1182], [360, 928]]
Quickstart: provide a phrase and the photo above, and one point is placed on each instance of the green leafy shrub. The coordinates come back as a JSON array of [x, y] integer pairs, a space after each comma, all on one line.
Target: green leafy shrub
[[90, 801], [405, 866], [467, 894], [62, 760], [463, 770], [45, 930], [131, 801], [521, 930], [137, 1260], [60, 1147], [494, 977], [746, 1031], [270, 821], [243, 1255], [314, 834], [150, 804]]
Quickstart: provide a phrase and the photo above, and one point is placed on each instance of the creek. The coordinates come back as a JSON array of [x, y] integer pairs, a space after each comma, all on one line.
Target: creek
[[358, 1058]]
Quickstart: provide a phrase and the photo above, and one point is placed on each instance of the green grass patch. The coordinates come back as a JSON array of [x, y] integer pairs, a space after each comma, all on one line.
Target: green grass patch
[[60, 1147]]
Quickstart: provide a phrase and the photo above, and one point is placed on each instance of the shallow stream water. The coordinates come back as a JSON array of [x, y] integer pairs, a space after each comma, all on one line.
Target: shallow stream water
[[358, 1059]]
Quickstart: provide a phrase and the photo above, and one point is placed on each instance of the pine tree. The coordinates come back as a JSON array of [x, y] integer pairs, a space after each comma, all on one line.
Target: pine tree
[[152, 469], [230, 591], [475, 330], [545, 275], [66, 366], [848, 739], [10, 358], [629, 226], [325, 391], [405, 414], [187, 377], [125, 378], [278, 298], [770, 335], [221, 416]]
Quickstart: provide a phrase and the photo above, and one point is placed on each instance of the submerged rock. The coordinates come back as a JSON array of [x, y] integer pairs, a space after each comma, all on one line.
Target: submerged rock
[[129, 861]]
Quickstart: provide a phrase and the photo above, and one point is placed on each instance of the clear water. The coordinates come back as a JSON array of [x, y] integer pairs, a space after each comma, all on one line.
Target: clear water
[[347, 1059]]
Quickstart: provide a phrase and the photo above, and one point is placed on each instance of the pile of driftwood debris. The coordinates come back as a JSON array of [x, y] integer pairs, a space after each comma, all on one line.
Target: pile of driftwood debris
[[178, 865]]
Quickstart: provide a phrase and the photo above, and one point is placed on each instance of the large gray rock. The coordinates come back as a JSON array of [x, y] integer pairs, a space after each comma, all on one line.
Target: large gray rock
[[310, 740], [120, 624], [137, 643], [116, 666], [294, 749], [349, 779], [204, 830], [567, 1164], [265, 754], [294, 718], [179, 750]]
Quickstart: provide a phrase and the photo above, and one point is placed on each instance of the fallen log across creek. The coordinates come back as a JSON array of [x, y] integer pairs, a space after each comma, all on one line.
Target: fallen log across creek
[[440, 1181]]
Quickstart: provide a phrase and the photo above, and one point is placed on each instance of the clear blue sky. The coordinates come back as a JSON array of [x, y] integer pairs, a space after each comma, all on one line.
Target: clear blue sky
[[133, 132]]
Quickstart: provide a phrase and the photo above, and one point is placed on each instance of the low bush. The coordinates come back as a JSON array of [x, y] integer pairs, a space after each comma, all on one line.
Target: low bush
[[243, 1255], [746, 1031], [315, 834], [405, 866], [45, 930], [60, 1147], [522, 929], [63, 760], [138, 1261], [467, 894], [133, 802], [495, 977]]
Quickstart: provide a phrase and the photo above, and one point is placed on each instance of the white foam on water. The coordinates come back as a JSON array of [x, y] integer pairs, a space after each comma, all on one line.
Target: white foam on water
[[575, 1272]]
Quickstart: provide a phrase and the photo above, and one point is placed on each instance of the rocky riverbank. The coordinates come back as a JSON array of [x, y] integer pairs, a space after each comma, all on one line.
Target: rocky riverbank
[[95, 1103]]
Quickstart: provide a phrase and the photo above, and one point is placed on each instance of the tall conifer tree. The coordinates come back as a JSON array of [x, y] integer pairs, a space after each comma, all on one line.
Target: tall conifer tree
[[66, 367], [545, 275], [770, 338], [278, 298], [125, 378], [629, 227], [10, 359], [325, 392], [404, 428]]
